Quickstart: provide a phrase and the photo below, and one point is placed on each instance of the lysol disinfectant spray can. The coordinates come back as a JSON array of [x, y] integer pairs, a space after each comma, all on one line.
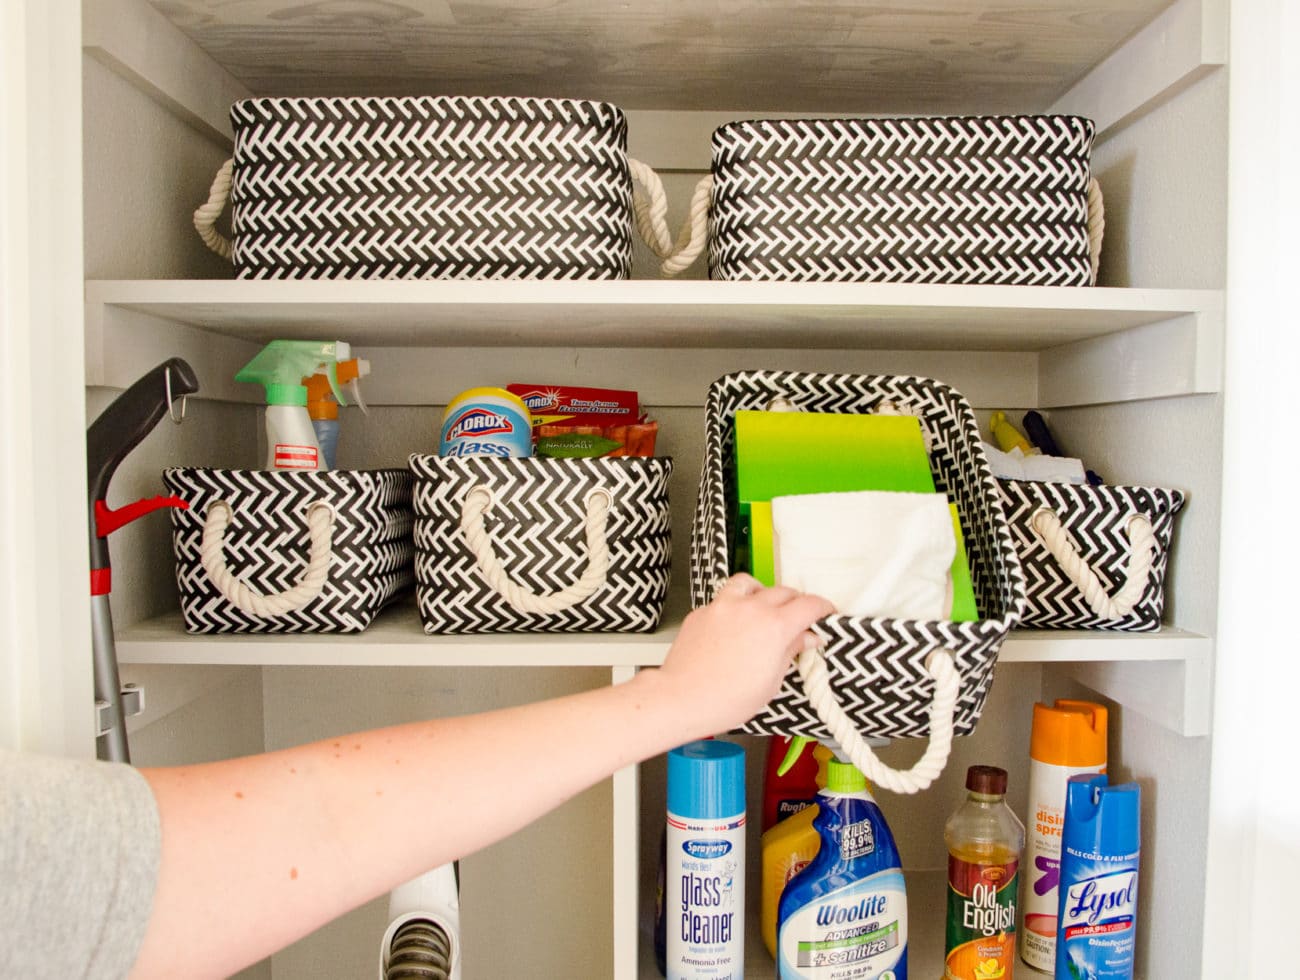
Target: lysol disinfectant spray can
[[704, 888], [1069, 739], [1097, 931]]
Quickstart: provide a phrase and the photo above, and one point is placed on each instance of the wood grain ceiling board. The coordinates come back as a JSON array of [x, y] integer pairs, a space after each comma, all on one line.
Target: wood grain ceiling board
[[834, 56]]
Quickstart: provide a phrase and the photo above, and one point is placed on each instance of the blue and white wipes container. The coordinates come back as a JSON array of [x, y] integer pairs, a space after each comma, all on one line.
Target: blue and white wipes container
[[486, 422], [704, 884], [1096, 929]]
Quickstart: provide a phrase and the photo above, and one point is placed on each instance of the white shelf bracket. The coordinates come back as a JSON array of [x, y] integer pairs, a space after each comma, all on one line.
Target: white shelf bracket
[[1176, 694], [1186, 42]]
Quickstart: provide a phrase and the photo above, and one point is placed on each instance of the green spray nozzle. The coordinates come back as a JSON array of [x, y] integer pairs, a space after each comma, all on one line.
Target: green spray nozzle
[[281, 365], [797, 744]]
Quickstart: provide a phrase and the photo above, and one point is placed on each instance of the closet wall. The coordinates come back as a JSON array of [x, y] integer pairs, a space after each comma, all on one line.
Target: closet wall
[[147, 165]]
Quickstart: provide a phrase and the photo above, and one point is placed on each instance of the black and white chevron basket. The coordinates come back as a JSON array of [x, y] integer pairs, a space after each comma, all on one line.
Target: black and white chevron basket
[[983, 199], [425, 188], [541, 545], [877, 667], [1093, 557], [277, 551]]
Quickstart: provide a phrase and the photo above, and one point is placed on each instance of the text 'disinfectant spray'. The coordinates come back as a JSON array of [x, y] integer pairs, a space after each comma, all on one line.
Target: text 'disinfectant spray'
[[1096, 934], [704, 887], [1068, 739]]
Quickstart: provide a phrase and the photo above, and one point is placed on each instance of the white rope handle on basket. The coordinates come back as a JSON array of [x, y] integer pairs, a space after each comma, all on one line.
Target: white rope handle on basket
[[479, 501], [947, 685], [1141, 556], [650, 214], [205, 218], [320, 525], [1096, 225]]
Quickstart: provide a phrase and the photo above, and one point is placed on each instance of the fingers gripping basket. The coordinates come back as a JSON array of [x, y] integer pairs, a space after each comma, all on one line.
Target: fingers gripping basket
[[275, 551], [1093, 557], [891, 678], [541, 545], [431, 188]]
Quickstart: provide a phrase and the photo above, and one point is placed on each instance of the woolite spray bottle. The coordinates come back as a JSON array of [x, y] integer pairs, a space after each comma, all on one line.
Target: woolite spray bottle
[[704, 889], [1097, 917], [844, 917]]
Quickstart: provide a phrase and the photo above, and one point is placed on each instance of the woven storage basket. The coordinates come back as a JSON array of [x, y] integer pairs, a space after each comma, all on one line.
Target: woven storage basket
[[877, 667], [290, 552], [541, 545], [428, 188], [1093, 557], [979, 199]]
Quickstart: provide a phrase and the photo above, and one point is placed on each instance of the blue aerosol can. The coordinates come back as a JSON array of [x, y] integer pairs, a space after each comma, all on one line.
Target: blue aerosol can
[[1097, 922]]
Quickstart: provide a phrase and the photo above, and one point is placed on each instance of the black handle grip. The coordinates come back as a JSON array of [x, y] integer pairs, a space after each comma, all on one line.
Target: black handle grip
[[121, 427]]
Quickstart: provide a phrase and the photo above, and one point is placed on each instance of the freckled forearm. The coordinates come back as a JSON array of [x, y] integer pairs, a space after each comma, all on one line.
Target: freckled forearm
[[283, 842]]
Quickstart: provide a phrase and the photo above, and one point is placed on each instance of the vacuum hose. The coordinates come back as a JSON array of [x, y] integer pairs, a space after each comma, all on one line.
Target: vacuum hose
[[422, 941], [421, 950]]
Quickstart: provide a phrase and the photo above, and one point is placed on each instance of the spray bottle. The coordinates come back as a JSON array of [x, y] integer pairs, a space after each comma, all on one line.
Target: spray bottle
[[1068, 739], [422, 941], [1097, 916], [845, 915], [788, 847], [280, 367], [323, 407], [705, 881]]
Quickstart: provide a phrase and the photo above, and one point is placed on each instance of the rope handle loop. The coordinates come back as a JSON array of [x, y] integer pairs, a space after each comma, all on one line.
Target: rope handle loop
[[320, 525], [598, 502], [650, 214], [947, 686], [1096, 225], [205, 218], [1062, 546]]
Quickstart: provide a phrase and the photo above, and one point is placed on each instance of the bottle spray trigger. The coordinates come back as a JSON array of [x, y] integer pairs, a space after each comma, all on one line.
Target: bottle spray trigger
[[797, 744]]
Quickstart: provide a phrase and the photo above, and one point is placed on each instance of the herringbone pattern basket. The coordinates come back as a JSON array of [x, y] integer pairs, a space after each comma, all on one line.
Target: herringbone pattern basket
[[269, 545], [1100, 579], [876, 666], [432, 187], [541, 545], [988, 199]]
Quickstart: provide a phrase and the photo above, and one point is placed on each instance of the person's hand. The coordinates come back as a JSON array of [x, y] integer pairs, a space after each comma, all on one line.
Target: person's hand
[[730, 656]]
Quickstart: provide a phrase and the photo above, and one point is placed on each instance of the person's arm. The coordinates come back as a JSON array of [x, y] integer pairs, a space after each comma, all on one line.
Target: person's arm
[[259, 851]]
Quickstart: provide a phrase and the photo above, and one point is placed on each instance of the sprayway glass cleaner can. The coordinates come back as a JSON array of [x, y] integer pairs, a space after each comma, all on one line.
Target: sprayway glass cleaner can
[[486, 422], [704, 893]]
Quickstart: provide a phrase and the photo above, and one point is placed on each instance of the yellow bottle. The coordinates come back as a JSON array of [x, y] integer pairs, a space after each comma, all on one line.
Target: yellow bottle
[[1008, 436], [787, 848]]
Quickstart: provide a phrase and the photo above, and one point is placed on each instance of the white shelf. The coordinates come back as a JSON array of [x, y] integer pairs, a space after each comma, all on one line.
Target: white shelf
[[654, 313], [1083, 341], [396, 639]]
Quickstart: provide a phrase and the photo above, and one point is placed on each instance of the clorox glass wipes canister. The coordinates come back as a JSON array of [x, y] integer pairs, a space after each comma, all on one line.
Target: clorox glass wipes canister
[[844, 917], [704, 888], [486, 422]]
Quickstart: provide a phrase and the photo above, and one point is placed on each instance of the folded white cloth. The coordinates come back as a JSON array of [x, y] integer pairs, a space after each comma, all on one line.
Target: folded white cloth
[[1015, 465], [870, 552]]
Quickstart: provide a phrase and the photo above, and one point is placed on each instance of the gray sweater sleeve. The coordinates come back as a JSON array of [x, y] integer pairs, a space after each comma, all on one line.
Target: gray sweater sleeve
[[79, 851]]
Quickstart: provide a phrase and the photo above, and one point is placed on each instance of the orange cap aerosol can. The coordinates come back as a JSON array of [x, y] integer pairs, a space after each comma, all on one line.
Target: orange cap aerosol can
[[1068, 739]]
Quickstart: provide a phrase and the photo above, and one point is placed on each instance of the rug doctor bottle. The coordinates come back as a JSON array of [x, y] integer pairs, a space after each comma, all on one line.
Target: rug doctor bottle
[[704, 889], [1068, 739]]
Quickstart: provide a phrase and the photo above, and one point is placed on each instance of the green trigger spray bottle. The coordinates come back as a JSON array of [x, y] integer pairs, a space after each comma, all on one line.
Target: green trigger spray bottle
[[280, 367]]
